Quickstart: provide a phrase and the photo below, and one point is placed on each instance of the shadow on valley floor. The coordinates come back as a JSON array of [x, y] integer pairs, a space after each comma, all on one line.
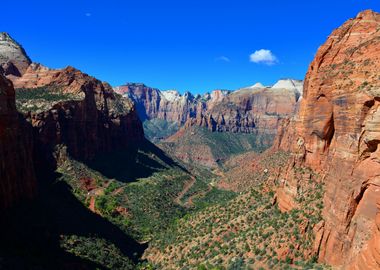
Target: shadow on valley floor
[[30, 234], [128, 166]]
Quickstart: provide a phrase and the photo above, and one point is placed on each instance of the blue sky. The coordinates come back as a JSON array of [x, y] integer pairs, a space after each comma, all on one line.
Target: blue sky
[[195, 45]]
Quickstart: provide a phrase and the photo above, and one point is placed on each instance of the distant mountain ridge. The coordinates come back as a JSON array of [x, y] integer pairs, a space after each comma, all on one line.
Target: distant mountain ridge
[[246, 110]]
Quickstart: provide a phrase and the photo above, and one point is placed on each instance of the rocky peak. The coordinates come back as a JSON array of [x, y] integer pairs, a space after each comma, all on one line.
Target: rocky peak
[[368, 15], [288, 84], [171, 95], [218, 95], [188, 97], [136, 89], [13, 58], [257, 85]]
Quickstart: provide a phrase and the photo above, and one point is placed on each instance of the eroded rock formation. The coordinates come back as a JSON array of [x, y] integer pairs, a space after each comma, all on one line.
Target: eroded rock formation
[[248, 111], [337, 134], [97, 120], [255, 109], [73, 111]]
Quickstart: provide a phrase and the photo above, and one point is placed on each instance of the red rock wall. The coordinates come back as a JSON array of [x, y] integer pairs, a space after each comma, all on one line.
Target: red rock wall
[[97, 122], [100, 122], [337, 134], [248, 111], [17, 178]]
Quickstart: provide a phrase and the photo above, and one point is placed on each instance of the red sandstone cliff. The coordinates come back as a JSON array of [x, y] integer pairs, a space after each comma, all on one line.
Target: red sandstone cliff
[[248, 111], [337, 134], [17, 178], [88, 119], [97, 120]]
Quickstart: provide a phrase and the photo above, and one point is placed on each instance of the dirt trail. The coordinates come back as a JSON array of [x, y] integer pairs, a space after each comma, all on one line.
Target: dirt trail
[[190, 200], [219, 173], [186, 188], [92, 204], [92, 196], [118, 191]]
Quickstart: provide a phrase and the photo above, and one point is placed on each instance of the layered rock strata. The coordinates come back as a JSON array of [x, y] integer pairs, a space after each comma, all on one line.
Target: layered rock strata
[[255, 109], [337, 134]]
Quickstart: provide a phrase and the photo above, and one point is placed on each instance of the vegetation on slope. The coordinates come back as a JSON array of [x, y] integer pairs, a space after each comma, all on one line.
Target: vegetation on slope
[[139, 207], [97, 250], [248, 232], [188, 221], [142, 206], [201, 146], [250, 169], [41, 98]]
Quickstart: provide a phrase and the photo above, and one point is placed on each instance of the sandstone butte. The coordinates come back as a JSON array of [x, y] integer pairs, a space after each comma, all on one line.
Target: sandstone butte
[[96, 120], [337, 133]]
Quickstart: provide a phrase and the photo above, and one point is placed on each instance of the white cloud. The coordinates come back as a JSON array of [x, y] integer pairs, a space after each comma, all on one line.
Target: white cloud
[[263, 57], [88, 14], [223, 58]]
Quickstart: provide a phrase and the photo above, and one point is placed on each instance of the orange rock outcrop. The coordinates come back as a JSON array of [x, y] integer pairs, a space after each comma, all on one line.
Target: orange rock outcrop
[[337, 133]]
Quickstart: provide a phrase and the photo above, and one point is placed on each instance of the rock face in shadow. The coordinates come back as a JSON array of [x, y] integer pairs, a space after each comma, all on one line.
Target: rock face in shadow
[[72, 114], [17, 175], [95, 121], [336, 133]]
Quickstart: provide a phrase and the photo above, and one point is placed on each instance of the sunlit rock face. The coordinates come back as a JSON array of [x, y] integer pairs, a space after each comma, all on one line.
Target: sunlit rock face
[[13, 59], [91, 119], [336, 133], [256, 109]]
